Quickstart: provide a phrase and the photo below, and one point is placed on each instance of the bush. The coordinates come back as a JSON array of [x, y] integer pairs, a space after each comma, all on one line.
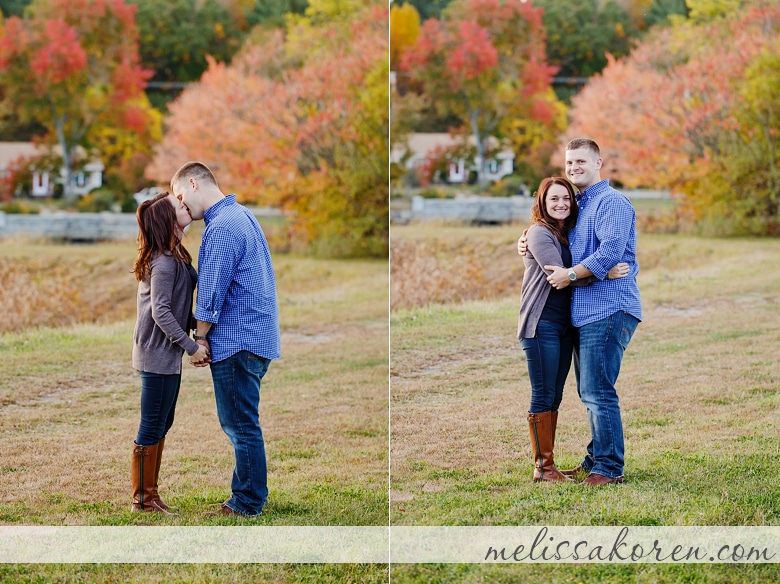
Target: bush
[[17, 207], [434, 193], [509, 186], [102, 199]]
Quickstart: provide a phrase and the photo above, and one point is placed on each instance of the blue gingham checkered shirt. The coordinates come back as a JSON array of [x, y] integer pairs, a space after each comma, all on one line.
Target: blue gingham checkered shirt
[[236, 284], [605, 235]]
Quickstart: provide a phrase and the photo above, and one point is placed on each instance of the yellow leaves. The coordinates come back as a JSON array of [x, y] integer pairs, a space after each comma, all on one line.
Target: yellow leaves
[[219, 30], [404, 30]]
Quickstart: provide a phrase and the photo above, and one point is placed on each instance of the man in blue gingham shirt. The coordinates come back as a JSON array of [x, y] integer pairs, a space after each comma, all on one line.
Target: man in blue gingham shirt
[[236, 284], [607, 312], [238, 321], [604, 236]]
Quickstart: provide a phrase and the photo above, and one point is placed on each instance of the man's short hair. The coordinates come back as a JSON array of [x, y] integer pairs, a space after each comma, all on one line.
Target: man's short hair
[[196, 170], [578, 143]]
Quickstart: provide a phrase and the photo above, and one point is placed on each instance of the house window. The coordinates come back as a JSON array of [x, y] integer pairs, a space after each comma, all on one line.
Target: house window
[[493, 166], [80, 179]]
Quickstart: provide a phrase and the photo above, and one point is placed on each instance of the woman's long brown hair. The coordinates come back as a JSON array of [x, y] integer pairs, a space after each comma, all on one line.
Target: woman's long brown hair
[[540, 216], [157, 234]]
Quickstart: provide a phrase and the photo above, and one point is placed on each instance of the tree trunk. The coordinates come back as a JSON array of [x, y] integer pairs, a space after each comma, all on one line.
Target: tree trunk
[[481, 150], [67, 161]]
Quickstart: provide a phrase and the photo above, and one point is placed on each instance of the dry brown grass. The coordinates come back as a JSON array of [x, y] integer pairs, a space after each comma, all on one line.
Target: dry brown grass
[[63, 290], [453, 266]]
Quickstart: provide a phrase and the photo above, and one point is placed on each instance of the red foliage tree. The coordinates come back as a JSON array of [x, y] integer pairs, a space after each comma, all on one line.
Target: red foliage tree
[[484, 62], [72, 66]]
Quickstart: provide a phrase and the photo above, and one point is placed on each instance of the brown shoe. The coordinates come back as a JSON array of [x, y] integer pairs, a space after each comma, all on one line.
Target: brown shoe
[[597, 480], [155, 495], [225, 511], [142, 478], [540, 429]]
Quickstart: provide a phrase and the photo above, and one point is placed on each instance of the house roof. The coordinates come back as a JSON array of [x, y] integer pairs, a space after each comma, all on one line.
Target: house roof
[[420, 144], [10, 151]]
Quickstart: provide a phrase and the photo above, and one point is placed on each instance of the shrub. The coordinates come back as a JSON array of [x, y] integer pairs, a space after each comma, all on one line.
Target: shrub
[[508, 186]]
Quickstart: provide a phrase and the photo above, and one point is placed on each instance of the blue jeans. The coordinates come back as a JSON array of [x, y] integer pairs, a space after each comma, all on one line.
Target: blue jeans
[[158, 403], [548, 355], [597, 362], [237, 391]]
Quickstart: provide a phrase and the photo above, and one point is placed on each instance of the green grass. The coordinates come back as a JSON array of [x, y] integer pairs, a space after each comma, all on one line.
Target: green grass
[[69, 409], [699, 396], [584, 574], [210, 573], [698, 391]]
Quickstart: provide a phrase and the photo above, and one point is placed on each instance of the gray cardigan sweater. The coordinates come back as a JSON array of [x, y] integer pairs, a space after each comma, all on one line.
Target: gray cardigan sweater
[[544, 249], [162, 327]]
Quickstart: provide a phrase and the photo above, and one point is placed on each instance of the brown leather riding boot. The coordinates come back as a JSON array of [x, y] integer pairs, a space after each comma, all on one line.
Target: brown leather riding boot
[[155, 494], [554, 420], [142, 476], [540, 428]]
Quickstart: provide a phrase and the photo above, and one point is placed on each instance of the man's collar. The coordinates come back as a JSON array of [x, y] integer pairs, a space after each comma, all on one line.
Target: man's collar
[[212, 211]]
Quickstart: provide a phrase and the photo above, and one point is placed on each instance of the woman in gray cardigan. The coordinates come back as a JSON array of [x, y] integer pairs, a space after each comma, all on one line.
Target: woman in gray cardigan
[[544, 325], [166, 280]]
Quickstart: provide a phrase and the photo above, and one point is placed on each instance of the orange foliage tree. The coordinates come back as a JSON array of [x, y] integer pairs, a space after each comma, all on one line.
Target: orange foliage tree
[[694, 108], [299, 120]]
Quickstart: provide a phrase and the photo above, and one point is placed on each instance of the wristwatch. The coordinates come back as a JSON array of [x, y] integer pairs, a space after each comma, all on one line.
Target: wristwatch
[[197, 337], [572, 275]]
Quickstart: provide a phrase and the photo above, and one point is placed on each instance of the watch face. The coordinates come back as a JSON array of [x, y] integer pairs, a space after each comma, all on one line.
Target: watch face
[[572, 275]]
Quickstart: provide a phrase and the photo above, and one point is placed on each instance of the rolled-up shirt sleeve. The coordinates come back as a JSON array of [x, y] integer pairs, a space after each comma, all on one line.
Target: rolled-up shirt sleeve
[[612, 234], [219, 255]]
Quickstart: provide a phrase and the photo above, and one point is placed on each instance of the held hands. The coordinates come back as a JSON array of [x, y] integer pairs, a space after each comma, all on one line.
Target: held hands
[[559, 278], [202, 357]]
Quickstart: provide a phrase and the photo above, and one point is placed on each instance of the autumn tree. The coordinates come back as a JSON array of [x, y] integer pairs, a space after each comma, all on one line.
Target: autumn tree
[[580, 34], [484, 62], [694, 109], [72, 66], [404, 30], [281, 125]]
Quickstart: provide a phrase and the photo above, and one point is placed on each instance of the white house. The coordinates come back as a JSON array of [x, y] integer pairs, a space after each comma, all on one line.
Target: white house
[[420, 145], [84, 181]]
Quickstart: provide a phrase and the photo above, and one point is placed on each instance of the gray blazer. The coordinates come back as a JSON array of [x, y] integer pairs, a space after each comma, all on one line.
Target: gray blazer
[[162, 327], [544, 249]]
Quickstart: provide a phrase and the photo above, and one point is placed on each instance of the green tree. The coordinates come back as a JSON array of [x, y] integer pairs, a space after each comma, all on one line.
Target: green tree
[[580, 34], [426, 8], [271, 13], [661, 10], [175, 36], [13, 7]]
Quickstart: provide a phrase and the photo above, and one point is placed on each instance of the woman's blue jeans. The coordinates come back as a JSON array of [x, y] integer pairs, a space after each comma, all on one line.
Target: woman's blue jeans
[[597, 362], [158, 404], [548, 355], [237, 391]]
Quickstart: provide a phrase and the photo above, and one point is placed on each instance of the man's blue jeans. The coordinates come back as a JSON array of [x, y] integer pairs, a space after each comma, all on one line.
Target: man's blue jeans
[[548, 355], [597, 361], [158, 406], [237, 390]]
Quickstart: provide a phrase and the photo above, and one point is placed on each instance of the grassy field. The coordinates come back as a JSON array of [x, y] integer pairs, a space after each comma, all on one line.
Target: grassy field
[[69, 409], [698, 389]]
